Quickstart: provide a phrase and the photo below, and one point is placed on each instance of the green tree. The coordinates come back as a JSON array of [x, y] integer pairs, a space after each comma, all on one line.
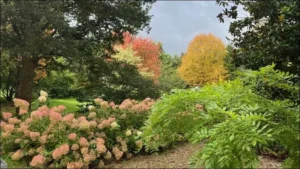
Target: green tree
[[169, 77], [228, 60], [114, 81], [71, 29], [269, 34], [9, 72]]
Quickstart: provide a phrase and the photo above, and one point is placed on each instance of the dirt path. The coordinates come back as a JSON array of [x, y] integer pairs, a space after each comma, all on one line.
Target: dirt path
[[175, 158]]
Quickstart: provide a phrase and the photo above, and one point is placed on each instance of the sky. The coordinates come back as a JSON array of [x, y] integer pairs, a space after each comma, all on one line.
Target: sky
[[176, 23]]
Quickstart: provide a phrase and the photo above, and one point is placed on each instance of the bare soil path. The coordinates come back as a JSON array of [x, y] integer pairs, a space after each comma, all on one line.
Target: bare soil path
[[176, 158]]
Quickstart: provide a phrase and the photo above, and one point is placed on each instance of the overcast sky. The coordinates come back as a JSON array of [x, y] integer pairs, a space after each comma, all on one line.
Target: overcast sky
[[175, 23]]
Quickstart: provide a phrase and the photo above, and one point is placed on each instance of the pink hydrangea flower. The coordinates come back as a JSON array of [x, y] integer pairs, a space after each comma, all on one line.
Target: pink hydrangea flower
[[27, 132], [101, 148], [100, 140], [61, 108], [111, 104], [23, 111], [43, 139], [54, 116], [72, 136], [5, 134], [36, 114], [92, 115], [81, 118], [40, 149], [21, 103], [57, 153], [14, 121], [6, 115], [17, 155], [43, 108], [111, 119], [42, 99], [83, 142], [84, 150], [104, 104], [104, 124], [34, 135], [37, 161], [98, 101], [86, 158], [65, 149], [23, 128], [9, 127], [108, 155], [93, 124], [68, 118], [28, 120], [2, 124], [75, 147], [84, 125]]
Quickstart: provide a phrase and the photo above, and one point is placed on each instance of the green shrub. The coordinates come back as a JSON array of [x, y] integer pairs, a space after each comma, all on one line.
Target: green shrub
[[225, 115]]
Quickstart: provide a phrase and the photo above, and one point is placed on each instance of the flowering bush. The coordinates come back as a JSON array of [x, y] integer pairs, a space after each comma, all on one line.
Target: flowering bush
[[47, 137]]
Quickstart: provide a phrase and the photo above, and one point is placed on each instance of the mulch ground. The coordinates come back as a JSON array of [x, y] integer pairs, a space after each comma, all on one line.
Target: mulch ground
[[176, 158]]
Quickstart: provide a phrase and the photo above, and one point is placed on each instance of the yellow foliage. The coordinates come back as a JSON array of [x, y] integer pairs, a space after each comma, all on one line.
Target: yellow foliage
[[204, 61]]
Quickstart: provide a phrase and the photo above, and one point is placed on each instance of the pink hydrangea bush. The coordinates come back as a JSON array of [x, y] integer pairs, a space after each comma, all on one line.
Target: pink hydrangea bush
[[47, 137]]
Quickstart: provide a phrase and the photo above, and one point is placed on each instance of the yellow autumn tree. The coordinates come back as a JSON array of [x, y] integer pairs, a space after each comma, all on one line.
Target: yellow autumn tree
[[204, 61]]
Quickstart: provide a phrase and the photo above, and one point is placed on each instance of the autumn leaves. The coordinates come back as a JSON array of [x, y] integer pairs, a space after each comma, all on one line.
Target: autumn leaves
[[204, 61]]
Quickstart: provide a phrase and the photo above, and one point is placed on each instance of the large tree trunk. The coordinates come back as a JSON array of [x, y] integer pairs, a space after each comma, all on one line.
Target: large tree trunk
[[26, 79]]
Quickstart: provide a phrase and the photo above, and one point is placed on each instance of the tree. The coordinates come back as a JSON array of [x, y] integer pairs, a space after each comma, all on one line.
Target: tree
[[204, 60], [270, 34], [40, 29], [229, 62], [115, 81], [169, 77], [9, 73], [148, 51]]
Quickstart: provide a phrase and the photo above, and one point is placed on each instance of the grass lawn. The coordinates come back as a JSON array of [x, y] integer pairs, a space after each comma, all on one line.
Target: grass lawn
[[71, 104]]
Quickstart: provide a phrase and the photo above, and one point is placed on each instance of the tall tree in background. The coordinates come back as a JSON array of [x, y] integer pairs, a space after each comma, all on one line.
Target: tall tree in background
[[204, 60], [40, 29], [269, 34], [148, 51], [169, 78]]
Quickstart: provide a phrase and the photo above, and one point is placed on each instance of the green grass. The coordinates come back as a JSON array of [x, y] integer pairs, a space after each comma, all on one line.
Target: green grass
[[71, 104]]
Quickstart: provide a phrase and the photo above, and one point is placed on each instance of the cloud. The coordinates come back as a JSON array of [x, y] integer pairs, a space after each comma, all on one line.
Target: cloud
[[175, 23]]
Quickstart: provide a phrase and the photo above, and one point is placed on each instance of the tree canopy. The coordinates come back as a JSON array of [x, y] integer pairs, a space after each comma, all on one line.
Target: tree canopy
[[270, 34], [204, 61], [42, 29]]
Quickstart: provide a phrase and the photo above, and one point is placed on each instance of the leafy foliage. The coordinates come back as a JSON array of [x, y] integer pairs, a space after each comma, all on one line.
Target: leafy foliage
[[271, 83], [169, 78], [231, 143], [233, 119], [204, 61], [114, 81], [39, 29], [269, 34], [9, 72], [148, 51]]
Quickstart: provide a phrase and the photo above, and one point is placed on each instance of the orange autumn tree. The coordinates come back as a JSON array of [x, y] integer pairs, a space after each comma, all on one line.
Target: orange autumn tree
[[148, 51], [204, 61]]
